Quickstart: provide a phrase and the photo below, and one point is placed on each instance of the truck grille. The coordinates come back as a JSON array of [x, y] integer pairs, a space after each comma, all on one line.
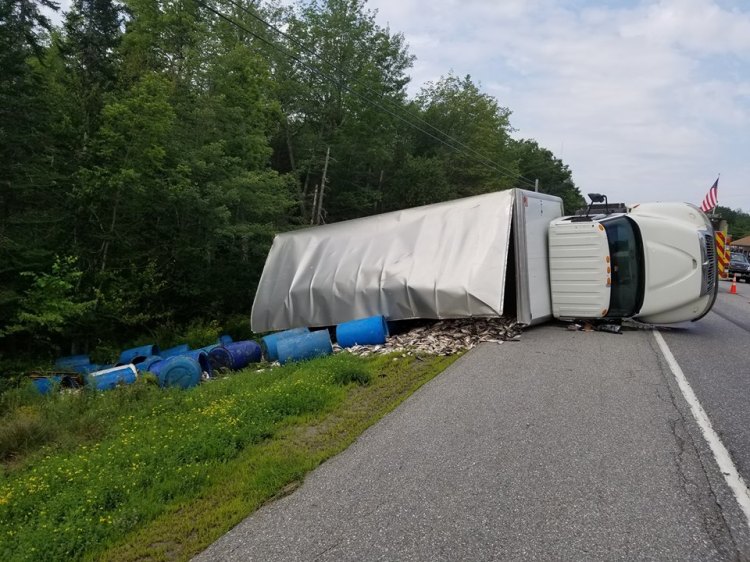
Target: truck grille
[[709, 264]]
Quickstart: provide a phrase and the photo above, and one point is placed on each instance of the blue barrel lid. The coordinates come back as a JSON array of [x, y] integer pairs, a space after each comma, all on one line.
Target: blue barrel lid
[[181, 371]]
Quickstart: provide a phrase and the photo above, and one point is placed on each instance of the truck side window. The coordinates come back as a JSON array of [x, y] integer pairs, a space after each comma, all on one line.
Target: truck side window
[[626, 255]]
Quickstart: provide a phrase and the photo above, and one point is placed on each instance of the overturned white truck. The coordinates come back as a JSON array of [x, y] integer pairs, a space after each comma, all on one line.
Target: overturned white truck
[[509, 253]]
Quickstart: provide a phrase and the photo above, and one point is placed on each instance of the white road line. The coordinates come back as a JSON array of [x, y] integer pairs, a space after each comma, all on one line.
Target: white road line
[[726, 466]]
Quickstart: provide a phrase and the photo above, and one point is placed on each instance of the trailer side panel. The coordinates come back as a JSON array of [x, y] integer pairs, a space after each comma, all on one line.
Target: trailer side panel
[[446, 260]]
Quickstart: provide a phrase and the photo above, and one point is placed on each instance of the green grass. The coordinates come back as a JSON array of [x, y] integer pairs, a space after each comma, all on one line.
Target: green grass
[[146, 474]]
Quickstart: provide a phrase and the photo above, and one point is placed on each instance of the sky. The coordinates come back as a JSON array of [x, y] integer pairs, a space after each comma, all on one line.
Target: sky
[[644, 100]]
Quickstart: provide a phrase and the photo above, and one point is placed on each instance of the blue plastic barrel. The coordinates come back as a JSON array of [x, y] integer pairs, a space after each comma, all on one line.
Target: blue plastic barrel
[[176, 350], [271, 342], [108, 379], [45, 385], [225, 339], [219, 358], [181, 371], [90, 368], [304, 346], [208, 348], [137, 354], [243, 353], [148, 362], [202, 358], [72, 361], [235, 356], [366, 331]]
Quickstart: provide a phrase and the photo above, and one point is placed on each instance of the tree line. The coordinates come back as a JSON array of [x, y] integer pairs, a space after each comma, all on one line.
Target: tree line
[[152, 149]]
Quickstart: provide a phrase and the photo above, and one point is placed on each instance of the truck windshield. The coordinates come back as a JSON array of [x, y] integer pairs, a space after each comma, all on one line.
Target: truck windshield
[[626, 252], [741, 258]]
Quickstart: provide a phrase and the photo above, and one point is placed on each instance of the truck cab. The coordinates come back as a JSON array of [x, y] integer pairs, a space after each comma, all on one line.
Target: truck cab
[[655, 262], [509, 253]]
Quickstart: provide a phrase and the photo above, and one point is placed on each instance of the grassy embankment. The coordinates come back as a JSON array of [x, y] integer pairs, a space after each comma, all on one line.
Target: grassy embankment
[[142, 473]]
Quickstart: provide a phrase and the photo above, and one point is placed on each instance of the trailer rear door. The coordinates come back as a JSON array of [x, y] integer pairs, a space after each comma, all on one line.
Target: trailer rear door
[[532, 214]]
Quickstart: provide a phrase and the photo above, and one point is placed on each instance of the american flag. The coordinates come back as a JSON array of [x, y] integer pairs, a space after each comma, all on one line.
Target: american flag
[[712, 197]]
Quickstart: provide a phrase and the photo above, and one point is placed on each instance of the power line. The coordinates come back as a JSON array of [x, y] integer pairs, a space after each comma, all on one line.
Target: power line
[[375, 103], [302, 46]]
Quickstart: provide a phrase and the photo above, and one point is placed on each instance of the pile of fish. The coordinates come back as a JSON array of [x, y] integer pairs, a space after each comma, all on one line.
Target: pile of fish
[[444, 337]]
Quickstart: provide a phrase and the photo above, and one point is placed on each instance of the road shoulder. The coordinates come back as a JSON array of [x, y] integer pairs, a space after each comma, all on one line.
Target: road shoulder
[[561, 446]]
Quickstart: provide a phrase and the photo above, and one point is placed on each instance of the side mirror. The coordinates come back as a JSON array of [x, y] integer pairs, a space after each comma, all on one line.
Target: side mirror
[[598, 198]]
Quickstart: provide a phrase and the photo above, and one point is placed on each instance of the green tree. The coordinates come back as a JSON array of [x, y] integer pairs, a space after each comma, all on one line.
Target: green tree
[[555, 177], [178, 204], [50, 304], [341, 92], [89, 48], [484, 159], [29, 199], [419, 180], [739, 221]]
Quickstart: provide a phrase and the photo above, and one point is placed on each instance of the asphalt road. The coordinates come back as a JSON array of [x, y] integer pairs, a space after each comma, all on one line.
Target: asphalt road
[[714, 354], [564, 446]]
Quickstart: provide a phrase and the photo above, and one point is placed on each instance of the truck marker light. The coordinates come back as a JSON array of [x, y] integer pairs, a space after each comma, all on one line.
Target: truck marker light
[[607, 259], [601, 227], [609, 270]]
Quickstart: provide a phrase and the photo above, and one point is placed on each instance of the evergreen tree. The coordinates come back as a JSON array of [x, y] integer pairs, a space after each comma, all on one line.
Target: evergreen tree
[[92, 33], [29, 222]]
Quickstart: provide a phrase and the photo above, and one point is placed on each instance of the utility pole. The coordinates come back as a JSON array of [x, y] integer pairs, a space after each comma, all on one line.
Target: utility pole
[[323, 186], [314, 210], [536, 185]]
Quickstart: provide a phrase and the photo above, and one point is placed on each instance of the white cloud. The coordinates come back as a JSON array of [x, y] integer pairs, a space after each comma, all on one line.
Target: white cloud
[[698, 25], [643, 100]]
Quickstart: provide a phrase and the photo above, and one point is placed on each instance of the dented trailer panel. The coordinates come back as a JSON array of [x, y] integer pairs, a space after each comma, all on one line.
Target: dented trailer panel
[[447, 260]]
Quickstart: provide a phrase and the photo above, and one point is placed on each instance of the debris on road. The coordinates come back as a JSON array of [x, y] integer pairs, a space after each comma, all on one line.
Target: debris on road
[[445, 337], [594, 326]]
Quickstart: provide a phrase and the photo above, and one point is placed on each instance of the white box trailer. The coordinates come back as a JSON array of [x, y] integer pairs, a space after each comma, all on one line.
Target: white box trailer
[[509, 253]]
